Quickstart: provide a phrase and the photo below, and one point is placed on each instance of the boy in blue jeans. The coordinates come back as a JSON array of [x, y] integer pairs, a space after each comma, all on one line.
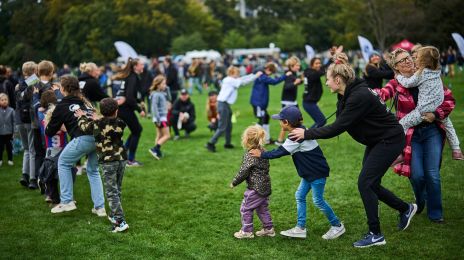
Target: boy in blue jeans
[[311, 166]]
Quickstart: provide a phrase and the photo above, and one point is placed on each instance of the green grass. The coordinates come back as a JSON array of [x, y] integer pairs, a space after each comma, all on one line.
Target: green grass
[[181, 206]]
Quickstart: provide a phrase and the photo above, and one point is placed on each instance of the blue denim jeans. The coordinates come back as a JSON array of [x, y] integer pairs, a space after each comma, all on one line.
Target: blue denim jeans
[[427, 147], [318, 199], [74, 150], [195, 82]]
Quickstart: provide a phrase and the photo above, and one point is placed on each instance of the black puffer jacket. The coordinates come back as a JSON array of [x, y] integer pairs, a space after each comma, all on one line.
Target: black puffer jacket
[[361, 113], [91, 88]]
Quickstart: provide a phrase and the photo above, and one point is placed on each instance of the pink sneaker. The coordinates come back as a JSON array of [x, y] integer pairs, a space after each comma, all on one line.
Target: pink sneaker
[[457, 154]]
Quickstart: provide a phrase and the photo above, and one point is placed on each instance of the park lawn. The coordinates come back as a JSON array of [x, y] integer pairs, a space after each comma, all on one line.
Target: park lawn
[[181, 206]]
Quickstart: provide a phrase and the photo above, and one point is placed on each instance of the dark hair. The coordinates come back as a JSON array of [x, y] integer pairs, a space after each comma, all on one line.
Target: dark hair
[[47, 98], [125, 72], [168, 60], [108, 106], [294, 124], [70, 84], [212, 93], [311, 62]]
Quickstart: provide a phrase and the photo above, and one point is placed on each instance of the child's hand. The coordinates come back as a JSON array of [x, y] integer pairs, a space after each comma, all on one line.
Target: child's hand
[[259, 73], [95, 116], [255, 152], [297, 81], [288, 73], [231, 186], [79, 113], [142, 114]]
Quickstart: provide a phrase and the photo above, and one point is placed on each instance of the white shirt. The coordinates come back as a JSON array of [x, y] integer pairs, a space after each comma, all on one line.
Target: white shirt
[[230, 85]]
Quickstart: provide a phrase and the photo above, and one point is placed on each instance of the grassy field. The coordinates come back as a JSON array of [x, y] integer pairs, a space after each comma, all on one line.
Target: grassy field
[[181, 207]]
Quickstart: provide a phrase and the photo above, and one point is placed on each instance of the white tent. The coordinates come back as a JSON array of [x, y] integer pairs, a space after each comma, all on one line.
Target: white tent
[[256, 51], [207, 54]]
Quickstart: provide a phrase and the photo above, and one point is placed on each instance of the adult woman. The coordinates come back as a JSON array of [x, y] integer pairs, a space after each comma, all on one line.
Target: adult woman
[[88, 82], [424, 142], [131, 95], [313, 91], [361, 113], [81, 144], [375, 73]]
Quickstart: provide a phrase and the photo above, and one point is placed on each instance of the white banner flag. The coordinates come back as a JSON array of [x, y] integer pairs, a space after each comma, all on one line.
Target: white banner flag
[[310, 53], [366, 47], [125, 50], [459, 41]]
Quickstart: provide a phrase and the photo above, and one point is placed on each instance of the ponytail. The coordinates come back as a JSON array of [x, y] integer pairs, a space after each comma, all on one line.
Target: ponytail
[[126, 71], [341, 67]]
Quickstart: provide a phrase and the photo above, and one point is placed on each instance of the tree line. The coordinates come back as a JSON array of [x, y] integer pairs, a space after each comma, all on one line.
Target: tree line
[[72, 31]]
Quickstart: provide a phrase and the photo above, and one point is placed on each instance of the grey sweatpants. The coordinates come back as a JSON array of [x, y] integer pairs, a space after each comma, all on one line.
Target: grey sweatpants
[[26, 134], [224, 124]]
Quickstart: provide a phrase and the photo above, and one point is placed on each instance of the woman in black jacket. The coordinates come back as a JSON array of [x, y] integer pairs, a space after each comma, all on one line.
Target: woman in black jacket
[[81, 144], [88, 82], [313, 91], [377, 70], [364, 116], [130, 101]]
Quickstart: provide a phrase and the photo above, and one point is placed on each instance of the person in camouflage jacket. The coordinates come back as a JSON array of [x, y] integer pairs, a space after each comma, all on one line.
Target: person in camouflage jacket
[[108, 132]]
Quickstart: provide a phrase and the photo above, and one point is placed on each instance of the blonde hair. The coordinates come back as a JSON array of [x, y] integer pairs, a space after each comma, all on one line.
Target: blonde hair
[[5, 96], [393, 55], [46, 68], [292, 61], [232, 70], [341, 68], [156, 83], [428, 57], [253, 137], [29, 68], [415, 48], [87, 67]]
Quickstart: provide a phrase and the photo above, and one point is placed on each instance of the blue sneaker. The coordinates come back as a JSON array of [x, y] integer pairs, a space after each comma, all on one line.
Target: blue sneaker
[[120, 227], [405, 217], [155, 152], [370, 240]]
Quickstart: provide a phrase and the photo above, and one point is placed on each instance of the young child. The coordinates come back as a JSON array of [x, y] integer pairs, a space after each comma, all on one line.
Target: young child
[[227, 96], [260, 95], [160, 112], [211, 110], [54, 144], [431, 94], [256, 173], [312, 167], [108, 132], [7, 122], [290, 89]]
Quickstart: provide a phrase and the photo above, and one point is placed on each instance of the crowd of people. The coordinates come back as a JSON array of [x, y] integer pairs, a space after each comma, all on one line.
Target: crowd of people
[[66, 123]]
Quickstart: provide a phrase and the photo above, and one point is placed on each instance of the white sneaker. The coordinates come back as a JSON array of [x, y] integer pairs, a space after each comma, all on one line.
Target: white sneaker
[[294, 232], [79, 170], [10, 163], [241, 234], [334, 232], [60, 208], [101, 212], [266, 232]]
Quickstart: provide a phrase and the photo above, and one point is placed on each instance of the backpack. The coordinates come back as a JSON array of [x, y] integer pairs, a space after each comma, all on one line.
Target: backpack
[[23, 96], [49, 169]]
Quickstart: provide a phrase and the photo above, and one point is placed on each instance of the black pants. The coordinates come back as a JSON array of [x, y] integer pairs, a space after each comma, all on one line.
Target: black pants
[[132, 122], [52, 190], [189, 126], [262, 115], [5, 140], [377, 159], [39, 146]]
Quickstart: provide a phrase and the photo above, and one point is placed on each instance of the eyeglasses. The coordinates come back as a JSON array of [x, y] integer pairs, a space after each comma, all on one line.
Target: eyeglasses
[[404, 60]]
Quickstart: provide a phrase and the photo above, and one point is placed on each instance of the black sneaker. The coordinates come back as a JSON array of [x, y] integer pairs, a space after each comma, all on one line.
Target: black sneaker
[[420, 207], [24, 180], [370, 239], [41, 186], [211, 147], [405, 217], [438, 221], [229, 146], [33, 184]]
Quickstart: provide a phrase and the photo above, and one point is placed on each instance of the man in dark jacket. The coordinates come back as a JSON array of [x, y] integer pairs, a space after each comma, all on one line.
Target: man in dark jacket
[[171, 77], [183, 115]]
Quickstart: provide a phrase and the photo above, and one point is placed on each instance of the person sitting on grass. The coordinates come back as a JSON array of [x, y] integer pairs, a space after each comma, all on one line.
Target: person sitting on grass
[[108, 132], [256, 173], [313, 169]]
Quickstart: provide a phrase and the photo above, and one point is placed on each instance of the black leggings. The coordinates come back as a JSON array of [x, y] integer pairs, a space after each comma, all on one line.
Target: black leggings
[[377, 159], [132, 122], [5, 140], [39, 147]]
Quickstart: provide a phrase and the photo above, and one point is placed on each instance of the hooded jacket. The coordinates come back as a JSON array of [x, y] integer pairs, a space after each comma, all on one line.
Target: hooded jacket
[[361, 113], [260, 92], [91, 88], [64, 114]]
